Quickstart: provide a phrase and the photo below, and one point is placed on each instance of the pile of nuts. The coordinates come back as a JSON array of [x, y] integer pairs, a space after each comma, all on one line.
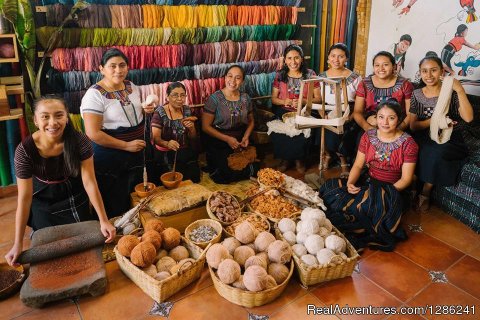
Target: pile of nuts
[[224, 206]]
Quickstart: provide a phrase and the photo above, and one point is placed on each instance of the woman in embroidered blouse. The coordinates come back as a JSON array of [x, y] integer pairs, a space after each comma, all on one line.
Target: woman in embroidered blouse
[[342, 145], [381, 86], [172, 129], [227, 122], [113, 117], [368, 208], [438, 164], [55, 176], [285, 95]]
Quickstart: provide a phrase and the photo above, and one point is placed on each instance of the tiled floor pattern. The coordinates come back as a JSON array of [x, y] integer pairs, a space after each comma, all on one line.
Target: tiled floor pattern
[[438, 265]]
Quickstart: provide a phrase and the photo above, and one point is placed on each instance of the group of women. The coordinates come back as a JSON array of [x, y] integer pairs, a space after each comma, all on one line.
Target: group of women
[[61, 171]]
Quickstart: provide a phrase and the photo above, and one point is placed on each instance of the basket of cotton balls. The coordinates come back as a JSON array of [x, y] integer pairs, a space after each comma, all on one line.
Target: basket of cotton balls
[[252, 268], [321, 252], [161, 262]]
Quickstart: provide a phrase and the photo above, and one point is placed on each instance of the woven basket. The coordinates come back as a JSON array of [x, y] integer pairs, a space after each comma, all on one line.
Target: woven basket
[[162, 290], [248, 298], [204, 222], [260, 137], [287, 115], [248, 216], [312, 275], [213, 216]]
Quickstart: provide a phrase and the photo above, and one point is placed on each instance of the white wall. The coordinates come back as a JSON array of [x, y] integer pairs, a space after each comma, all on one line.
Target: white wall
[[431, 24]]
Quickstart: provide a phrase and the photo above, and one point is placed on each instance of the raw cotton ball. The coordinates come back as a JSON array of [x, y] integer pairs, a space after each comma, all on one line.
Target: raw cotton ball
[[216, 254], [290, 237], [242, 253], [153, 237], [301, 237], [165, 264], [231, 244], [313, 213], [143, 254], [299, 249], [263, 240], [286, 224], [126, 244], [323, 232], [228, 271], [324, 256], [151, 270], [160, 254], [278, 271], [335, 243], [314, 243], [255, 278], [162, 275], [171, 238], [129, 227], [239, 283], [252, 245], [310, 226], [279, 251], [154, 224], [271, 283], [299, 226], [263, 255], [245, 232], [328, 225], [256, 261], [309, 260], [179, 253]]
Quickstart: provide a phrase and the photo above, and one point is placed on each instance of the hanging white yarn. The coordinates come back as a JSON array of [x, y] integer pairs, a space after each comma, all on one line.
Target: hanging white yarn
[[440, 132]]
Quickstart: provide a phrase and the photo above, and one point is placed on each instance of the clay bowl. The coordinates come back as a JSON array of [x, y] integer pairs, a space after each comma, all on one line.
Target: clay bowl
[[15, 285], [170, 181], [141, 191]]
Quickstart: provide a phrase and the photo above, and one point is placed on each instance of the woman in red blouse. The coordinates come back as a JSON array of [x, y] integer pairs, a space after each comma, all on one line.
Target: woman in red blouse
[[368, 208], [379, 87]]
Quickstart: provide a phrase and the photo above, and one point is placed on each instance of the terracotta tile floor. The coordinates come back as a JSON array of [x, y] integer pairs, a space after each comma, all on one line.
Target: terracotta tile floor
[[438, 265]]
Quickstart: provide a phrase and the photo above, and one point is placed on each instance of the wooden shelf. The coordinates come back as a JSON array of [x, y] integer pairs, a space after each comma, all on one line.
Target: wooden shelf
[[10, 38], [15, 113]]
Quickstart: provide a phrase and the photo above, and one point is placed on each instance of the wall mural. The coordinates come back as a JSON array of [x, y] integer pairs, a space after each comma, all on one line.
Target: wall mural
[[412, 29]]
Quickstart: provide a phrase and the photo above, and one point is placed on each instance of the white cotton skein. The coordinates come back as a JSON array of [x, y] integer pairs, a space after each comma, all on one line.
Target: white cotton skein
[[286, 224], [299, 226], [290, 237], [309, 260], [313, 213], [335, 243], [327, 225], [301, 237], [299, 249], [151, 98], [314, 243], [310, 226], [324, 256], [323, 232]]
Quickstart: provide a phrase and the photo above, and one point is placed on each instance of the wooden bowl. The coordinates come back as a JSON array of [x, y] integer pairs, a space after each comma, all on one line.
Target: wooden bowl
[[171, 180], [204, 222], [139, 189], [16, 284]]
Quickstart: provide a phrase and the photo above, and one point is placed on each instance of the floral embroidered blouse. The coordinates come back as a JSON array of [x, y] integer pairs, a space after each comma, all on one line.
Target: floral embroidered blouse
[[171, 129]]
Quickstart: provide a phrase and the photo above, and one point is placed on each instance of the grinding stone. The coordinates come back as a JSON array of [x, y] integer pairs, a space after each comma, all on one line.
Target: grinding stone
[[65, 277]]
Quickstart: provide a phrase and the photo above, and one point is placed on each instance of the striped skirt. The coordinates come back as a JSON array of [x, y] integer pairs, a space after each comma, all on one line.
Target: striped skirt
[[369, 218]]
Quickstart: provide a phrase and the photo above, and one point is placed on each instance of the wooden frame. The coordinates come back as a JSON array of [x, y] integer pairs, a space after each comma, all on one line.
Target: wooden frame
[[15, 48]]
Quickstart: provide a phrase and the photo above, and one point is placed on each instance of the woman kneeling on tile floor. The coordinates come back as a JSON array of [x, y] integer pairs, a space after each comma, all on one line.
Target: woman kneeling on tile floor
[[55, 176]]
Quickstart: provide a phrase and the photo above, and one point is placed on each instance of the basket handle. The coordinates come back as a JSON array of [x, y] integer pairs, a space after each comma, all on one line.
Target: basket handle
[[184, 267], [204, 252]]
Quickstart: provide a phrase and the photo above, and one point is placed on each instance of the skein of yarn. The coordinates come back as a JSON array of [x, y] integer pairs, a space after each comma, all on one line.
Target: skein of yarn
[[440, 131]]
